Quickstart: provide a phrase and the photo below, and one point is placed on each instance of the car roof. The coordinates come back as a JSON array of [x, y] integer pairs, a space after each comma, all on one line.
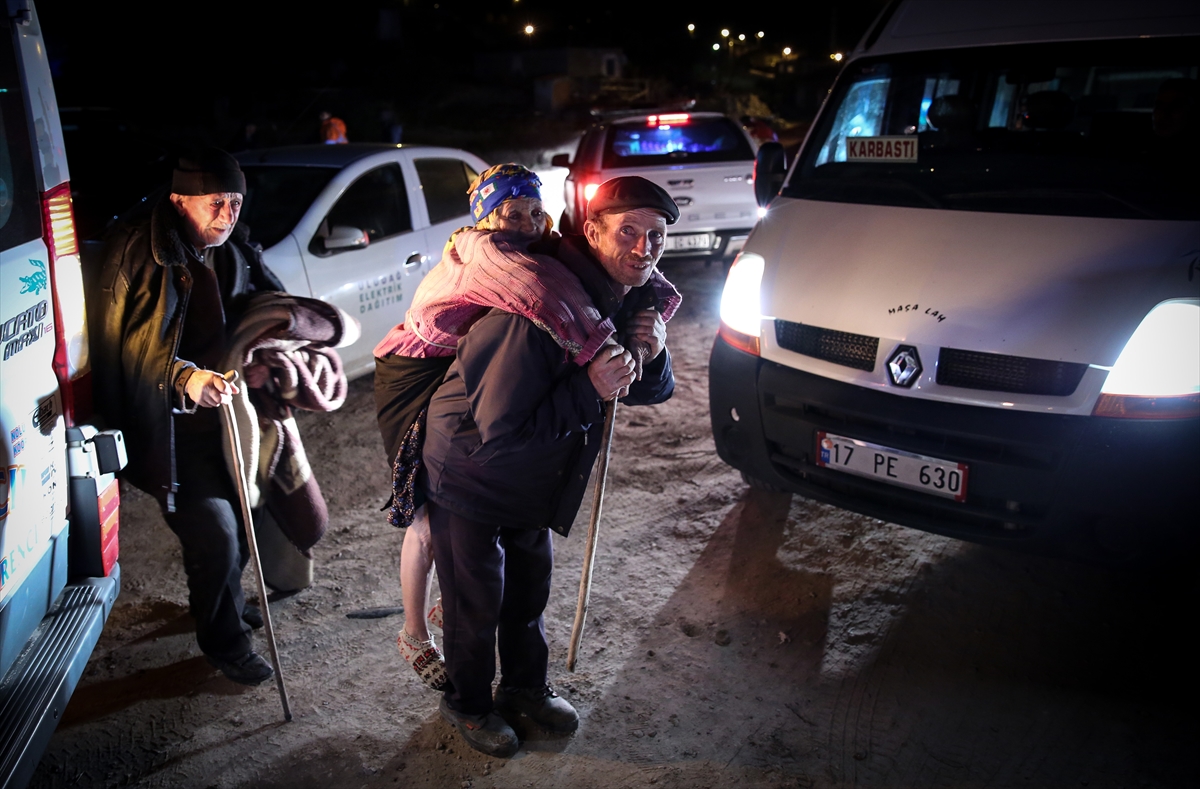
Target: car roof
[[317, 155], [915, 25]]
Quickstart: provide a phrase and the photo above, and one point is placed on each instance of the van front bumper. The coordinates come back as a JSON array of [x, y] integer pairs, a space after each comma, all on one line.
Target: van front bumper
[[1098, 489]]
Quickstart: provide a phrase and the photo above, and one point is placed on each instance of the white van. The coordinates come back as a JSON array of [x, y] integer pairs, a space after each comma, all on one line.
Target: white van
[[59, 502], [973, 305]]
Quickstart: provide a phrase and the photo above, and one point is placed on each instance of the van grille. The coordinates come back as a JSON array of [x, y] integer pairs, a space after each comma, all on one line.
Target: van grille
[[839, 347], [999, 373]]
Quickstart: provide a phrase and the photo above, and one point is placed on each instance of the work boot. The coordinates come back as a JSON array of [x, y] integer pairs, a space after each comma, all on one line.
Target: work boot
[[252, 615], [249, 669], [487, 733], [541, 705]]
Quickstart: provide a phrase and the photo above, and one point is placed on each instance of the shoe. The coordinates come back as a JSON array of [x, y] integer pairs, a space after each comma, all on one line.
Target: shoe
[[249, 669], [435, 614], [252, 615], [541, 705], [425, 658], [486, 733]]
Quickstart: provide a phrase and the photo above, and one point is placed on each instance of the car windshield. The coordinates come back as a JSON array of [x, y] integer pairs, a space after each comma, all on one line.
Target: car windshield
[[278, 196], [675, 139], [1101, 129]]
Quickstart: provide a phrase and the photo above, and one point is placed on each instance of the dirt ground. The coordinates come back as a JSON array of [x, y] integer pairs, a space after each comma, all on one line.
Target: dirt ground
[[736, 638]]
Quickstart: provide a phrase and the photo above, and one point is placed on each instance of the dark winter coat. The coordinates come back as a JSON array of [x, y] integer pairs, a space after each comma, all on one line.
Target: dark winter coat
[[514, 430], [135, 319]]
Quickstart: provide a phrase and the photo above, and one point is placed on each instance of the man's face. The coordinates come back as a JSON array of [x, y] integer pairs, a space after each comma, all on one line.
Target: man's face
[[209, 218], [628, 244]]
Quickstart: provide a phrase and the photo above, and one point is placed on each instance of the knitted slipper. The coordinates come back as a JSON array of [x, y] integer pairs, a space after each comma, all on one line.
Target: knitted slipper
[[435, 614], [425, 658]]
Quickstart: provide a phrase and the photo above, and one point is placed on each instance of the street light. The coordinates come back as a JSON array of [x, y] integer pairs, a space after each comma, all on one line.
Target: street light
[[529, 30], [836, 57], [716, 47], [742, 37], [761, 34], [787, 51], [691, 28], [724, 32]]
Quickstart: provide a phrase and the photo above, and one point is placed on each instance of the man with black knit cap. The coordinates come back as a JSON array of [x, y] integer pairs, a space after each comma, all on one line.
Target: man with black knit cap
[[171, 289]]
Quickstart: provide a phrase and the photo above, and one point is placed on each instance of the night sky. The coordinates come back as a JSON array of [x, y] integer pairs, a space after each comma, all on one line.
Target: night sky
[[153, 56]]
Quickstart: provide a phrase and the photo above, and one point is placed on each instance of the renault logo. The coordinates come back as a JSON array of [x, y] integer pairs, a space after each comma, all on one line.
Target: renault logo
[[904, 366]]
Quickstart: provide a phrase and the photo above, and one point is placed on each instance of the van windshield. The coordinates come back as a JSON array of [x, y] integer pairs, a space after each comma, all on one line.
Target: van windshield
[[1099, 129]]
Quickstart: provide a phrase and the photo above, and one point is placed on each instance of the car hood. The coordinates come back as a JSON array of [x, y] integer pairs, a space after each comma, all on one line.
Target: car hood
[[1048, 287]]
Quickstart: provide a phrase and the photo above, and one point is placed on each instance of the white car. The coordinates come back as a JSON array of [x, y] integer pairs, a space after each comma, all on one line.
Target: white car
[[974, 305], [704, 160], [357, 225]]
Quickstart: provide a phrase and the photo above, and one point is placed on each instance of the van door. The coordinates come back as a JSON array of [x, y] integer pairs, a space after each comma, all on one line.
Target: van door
[[367, 280], [33, 476]]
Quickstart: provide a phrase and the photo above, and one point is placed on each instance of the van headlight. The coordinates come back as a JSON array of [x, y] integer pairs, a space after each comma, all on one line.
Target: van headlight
[[1157, 375], [741, 303]]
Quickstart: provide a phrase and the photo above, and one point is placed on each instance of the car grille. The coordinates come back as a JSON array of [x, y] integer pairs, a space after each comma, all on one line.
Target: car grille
[[999, 373], [839, 347]]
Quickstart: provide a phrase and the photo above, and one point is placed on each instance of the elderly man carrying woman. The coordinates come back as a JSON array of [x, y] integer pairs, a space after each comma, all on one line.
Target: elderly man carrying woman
[[412, 359]]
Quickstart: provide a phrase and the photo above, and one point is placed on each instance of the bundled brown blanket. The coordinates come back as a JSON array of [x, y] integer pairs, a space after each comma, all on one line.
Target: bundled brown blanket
[[283, 352]]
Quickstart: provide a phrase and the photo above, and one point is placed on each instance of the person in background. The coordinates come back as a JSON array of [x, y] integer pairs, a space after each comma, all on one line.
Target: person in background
[[333, 130]]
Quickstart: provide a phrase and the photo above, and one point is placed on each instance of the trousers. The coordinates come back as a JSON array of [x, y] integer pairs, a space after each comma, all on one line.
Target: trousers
[[208, 522], [495, 584]]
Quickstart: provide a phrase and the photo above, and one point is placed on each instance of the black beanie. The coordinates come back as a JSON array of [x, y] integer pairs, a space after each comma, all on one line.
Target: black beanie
[[208, 171]]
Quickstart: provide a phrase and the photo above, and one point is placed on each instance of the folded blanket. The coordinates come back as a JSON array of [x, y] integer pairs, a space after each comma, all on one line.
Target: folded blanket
[[283, 351]]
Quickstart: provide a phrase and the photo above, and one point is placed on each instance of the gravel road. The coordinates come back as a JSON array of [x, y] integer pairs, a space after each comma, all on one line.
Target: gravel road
[[736, 638]]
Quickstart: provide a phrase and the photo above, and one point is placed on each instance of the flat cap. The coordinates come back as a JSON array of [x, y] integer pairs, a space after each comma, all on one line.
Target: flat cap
[[629, 192], [208, 171]]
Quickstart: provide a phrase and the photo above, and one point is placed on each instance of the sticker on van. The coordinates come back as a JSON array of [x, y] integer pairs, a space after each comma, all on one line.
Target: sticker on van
[[881, 149]]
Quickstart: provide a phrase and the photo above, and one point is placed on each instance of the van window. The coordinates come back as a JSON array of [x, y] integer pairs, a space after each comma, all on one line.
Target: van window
[[20, 211], [1103, 129], [444, 183], [691, 141]]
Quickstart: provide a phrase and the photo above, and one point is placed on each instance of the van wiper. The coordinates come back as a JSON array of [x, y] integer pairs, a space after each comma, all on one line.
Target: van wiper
[[1056, 193], [861, 182]]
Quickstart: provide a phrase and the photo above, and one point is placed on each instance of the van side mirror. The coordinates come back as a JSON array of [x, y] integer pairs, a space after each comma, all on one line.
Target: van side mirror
[[343, 237], [770, 168], [560, 160]]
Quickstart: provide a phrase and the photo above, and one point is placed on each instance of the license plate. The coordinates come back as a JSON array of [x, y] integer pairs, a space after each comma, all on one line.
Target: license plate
[[893, 466], [689, 241]]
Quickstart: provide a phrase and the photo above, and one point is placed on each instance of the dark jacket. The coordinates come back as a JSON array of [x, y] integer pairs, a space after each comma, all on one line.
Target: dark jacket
[[135, 320], [514, 430]]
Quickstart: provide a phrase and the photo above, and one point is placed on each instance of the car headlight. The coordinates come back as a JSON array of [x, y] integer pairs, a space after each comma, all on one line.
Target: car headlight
[[1157, 374], [741, 303]]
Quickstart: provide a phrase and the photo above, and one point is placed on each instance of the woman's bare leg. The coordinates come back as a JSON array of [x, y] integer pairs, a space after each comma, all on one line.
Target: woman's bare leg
[[416, 572]]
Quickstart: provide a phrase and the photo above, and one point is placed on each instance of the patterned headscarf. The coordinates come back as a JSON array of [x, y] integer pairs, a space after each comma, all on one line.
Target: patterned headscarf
[[500, 183]]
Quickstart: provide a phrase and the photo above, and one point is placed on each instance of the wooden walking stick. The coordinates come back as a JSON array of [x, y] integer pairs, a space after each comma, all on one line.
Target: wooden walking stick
[[589, 556], [235, 444]]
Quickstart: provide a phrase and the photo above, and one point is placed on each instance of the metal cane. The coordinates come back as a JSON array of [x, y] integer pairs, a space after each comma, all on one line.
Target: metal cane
[[235, 444], [589, 557]]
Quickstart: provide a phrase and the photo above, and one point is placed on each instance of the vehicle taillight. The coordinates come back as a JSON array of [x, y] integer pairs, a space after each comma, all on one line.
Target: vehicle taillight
[[70, 322], [667, 119]]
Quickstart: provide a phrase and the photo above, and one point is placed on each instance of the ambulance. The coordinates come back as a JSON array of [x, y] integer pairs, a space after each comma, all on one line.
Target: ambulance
[[973, 303], [59, 500]]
